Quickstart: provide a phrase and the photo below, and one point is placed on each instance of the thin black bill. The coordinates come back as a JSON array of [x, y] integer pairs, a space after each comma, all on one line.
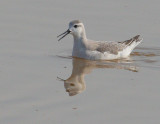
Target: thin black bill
[[63, 34]]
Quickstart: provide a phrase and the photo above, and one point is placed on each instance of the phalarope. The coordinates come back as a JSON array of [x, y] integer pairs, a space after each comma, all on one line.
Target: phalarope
[[98, 50]]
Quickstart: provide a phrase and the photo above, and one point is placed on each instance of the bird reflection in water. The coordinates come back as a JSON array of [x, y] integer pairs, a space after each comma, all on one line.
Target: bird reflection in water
[[75, 84]]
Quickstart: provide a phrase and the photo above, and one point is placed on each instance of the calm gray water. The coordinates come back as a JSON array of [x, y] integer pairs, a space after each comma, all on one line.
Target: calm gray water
[[41, 84]]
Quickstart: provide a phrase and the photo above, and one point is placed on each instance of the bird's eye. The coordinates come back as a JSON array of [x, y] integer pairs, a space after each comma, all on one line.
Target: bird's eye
[[75, 26]]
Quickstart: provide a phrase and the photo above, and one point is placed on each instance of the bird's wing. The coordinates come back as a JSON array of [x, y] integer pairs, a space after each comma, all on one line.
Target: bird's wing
[[110, 47], [130, 41], [114, 47]]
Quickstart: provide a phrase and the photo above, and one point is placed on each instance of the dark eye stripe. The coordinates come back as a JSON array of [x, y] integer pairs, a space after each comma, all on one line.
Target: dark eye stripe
[[75, 26]]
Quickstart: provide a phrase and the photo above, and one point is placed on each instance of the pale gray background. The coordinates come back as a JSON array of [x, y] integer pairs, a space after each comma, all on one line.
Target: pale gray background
[[29, 90]]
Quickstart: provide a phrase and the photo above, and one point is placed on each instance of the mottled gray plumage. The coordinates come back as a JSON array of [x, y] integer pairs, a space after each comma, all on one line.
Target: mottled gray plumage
[[129, 42], [110, 47], [114, 47], [98, 50]]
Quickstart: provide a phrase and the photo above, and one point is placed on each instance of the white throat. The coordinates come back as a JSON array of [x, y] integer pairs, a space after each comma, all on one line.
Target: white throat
[[80, 44]]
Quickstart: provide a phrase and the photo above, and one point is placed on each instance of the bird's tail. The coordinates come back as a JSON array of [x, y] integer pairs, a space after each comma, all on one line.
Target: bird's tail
[[135, 40], [131, 43]]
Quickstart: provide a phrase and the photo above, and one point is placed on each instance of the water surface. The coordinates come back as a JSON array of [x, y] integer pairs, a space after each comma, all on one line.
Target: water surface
[[75, 83], [113, 92]]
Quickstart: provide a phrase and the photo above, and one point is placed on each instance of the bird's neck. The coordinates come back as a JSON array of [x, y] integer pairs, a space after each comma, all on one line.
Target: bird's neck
[[80, 38], [80, 42]]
